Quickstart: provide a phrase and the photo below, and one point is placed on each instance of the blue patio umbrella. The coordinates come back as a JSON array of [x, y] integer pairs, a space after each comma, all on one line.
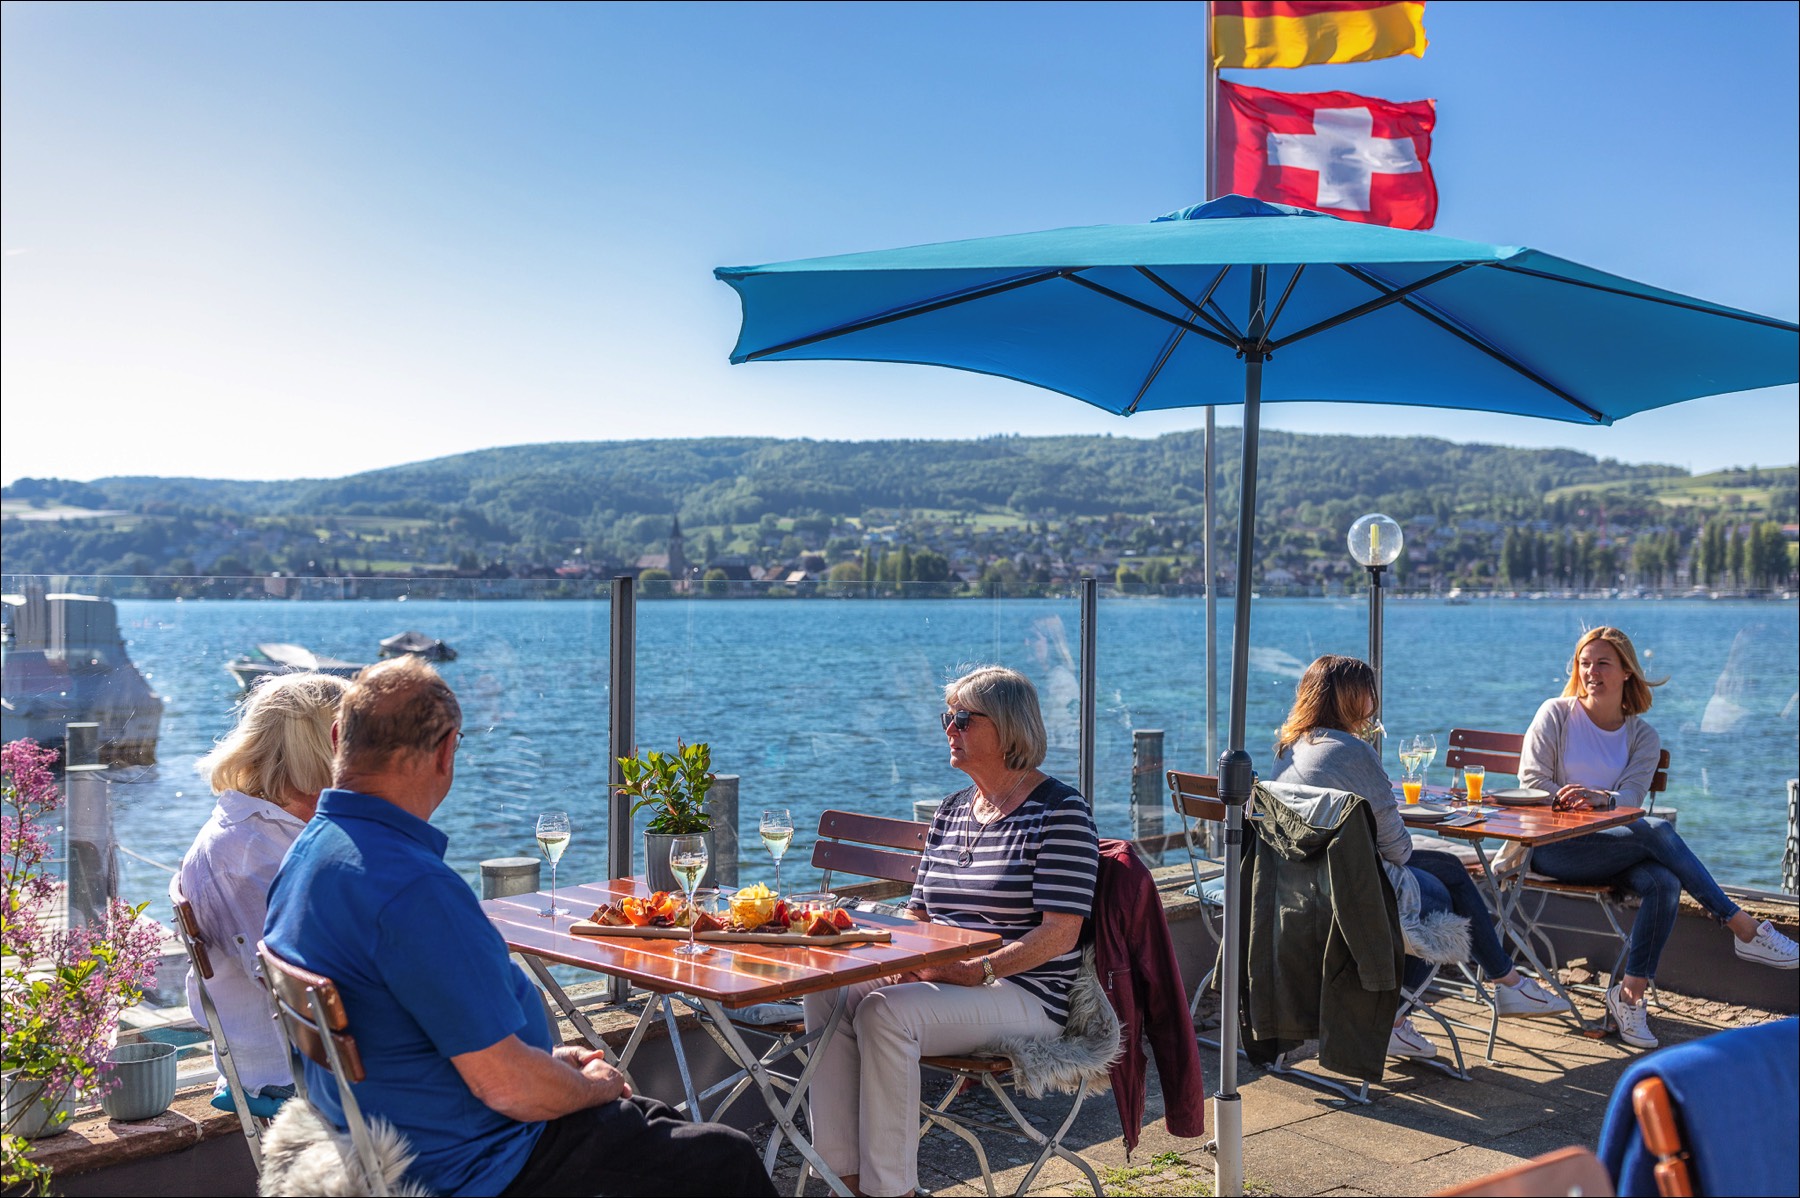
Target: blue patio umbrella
[[1237, 300]]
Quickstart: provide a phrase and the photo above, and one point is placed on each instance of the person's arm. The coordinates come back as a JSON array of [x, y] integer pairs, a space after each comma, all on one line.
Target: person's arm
[[1640, 767], [531, 1086], [1540, 757], [1049, 940]]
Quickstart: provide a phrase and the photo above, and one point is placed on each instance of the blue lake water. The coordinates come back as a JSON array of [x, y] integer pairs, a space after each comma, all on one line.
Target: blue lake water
[[819, 703]]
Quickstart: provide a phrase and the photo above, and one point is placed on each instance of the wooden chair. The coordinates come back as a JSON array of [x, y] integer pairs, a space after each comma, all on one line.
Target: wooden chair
[[187, 927], [1499, 752], [1196, 800], [890, 850], [1574, 1172], [311, 1014], [1661, 1130]]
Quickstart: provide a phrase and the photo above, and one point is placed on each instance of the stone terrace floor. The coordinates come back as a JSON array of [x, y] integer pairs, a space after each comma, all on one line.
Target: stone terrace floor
[[1547, 1088]]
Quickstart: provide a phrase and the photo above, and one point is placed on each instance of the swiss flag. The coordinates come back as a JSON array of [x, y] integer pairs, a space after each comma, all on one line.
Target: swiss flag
[[1352, 156]]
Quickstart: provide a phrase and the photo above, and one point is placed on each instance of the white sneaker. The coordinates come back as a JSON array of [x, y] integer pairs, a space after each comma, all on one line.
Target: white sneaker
[[1405, 1041], [1632, 1017], [1527, 1000], [1769, 947]]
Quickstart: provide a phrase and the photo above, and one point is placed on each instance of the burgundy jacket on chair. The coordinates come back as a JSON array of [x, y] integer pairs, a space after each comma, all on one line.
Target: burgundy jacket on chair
[[1136, 961]]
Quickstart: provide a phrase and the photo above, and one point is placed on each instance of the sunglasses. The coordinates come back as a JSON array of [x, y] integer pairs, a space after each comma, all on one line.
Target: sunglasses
[[960, 719]]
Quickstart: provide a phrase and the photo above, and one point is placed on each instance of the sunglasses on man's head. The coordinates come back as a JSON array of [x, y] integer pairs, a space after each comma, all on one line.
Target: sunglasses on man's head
[[960, 719]]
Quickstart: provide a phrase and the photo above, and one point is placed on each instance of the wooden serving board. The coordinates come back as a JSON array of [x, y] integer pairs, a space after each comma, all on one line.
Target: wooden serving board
[[855, 935]]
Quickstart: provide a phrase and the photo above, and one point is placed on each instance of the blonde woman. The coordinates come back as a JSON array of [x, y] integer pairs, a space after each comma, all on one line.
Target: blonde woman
[[267, 775], [1591, 747]]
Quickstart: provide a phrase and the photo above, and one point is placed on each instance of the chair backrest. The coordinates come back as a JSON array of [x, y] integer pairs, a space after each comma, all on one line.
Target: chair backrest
[[312, 1015], [1196, 796], [1500, 752], [870, 846], [1567, 1171], [1655, 1110], [187, 927]]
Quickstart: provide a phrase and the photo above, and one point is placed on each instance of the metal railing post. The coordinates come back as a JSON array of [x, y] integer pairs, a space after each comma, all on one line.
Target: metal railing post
[[1090, 613]]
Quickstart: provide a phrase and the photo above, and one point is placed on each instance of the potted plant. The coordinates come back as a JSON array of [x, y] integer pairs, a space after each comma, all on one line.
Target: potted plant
[[673, 786], [63, 989]]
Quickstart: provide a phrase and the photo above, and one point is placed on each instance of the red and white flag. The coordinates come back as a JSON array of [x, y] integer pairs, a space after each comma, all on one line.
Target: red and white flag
[[1353, 156]]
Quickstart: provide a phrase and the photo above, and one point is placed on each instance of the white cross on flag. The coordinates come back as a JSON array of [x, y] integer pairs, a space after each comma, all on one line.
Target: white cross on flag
[[1353, 156]]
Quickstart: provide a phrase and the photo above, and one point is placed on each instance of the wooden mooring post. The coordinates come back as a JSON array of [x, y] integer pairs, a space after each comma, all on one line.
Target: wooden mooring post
[[1148, 798]]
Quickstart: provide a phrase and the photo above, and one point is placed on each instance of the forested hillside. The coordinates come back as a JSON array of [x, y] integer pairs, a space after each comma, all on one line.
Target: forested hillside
[[532, 509]]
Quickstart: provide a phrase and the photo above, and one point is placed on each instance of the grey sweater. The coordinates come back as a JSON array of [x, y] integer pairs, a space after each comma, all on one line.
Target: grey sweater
[[1339, 761], [1540, 760]]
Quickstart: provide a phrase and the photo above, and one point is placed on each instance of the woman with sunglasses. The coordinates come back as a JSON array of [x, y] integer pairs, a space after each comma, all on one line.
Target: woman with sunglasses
[[1013, 853]]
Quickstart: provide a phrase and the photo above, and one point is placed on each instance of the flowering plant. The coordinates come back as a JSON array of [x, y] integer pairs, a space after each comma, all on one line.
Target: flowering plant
[[63, 989]]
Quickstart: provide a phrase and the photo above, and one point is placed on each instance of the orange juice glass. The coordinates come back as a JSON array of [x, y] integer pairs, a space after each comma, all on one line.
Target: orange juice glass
[[1412, 788], [1474, 778]]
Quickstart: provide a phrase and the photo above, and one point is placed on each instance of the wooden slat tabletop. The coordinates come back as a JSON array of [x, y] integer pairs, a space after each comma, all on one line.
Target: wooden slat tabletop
[[735, 975], [1528, 825]]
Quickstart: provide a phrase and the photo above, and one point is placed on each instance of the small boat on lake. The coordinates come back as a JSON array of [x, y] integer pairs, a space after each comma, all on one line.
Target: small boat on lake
[[418, 645], [276, 657]]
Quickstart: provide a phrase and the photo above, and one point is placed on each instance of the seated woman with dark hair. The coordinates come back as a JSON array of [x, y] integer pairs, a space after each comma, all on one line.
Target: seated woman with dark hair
[[1321, 744], [1014, 853]]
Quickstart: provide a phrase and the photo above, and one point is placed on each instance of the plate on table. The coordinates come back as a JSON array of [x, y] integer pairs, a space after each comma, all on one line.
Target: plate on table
[[1426, 812], [1521, 796]]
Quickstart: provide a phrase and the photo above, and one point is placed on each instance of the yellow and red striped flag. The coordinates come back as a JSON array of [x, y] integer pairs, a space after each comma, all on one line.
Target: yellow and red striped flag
[[1297, 33]]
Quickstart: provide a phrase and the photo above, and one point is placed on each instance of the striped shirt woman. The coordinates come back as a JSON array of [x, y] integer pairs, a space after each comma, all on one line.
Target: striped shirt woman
[[1002, 876]]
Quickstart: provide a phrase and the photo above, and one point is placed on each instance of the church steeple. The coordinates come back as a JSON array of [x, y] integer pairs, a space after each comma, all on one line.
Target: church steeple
[[678, 567]]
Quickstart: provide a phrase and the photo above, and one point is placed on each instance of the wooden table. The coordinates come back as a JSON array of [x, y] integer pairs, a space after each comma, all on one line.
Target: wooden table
[[1531, 827], [730, 976]]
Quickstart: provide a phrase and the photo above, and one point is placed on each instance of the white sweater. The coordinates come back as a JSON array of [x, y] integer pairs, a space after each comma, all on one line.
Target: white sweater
[[1540, 760]]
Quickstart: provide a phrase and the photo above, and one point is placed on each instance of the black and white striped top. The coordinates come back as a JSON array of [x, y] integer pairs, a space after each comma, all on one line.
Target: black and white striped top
[[1042, 857]]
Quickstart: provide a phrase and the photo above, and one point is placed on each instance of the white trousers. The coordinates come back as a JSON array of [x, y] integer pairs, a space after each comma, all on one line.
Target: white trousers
[[864, 1098]]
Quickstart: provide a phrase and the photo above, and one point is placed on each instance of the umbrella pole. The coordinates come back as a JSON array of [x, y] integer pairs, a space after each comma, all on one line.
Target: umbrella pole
[[1212, 595], [1235, 770]]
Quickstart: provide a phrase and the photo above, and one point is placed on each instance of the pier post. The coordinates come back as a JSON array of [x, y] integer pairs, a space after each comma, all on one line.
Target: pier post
[[92, 848], [722, 805], [621, 742], [502, 877], [1147, 794]]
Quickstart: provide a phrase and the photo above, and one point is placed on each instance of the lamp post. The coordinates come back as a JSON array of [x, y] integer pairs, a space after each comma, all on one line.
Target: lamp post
[[1375, 542]]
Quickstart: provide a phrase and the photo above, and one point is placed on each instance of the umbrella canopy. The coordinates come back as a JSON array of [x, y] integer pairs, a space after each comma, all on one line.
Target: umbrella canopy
[[1141, 317], [1237, 297]]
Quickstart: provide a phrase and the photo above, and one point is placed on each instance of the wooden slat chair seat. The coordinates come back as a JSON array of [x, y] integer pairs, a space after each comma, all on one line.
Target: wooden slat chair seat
[[890, 850], [187, 927], [1196, 796], [311, 1014], [1499, 752]]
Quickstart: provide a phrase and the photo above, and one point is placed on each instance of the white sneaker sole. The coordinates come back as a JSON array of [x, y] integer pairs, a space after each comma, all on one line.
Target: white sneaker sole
[[1771, 962]]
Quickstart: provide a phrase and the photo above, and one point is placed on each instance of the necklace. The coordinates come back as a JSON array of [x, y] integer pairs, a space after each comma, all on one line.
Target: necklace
[[966, 856]]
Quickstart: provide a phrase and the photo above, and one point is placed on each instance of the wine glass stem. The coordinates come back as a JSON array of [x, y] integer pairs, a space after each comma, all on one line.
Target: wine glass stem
[[553, 889], [778, 877]]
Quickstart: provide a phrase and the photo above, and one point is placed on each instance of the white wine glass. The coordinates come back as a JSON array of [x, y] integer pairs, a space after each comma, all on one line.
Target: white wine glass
[[687, 858], [777, 831], [1428, 745], [553, 839]]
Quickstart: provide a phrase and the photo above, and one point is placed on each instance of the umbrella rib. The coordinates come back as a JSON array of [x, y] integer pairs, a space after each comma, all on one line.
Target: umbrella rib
[[935, 305], [1708, 309], [1419, 308], [1197, 307], [1388, 296], [1150, 310], [1174, 341], [1279, 305]]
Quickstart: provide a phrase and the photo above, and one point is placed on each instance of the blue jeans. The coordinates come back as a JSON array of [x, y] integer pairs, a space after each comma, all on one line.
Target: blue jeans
[[1444, 885], [1647, 858]]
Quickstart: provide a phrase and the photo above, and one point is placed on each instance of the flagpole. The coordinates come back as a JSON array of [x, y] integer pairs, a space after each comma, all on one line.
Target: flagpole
[[1208, 191]]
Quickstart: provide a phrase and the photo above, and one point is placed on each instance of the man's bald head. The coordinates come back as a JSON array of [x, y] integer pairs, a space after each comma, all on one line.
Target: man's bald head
[[395, 708]]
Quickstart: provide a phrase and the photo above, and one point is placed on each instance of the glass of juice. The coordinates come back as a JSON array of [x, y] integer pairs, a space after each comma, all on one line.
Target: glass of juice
[[1412, 788], [1474, 777]]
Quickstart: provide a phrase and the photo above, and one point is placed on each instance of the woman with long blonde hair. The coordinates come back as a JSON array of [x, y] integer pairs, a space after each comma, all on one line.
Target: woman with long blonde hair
[[267, 774], [1591, 747]]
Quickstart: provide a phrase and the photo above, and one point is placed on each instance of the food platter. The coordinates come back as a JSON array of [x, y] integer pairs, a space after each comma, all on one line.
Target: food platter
[[852, 935], [1521, 796]]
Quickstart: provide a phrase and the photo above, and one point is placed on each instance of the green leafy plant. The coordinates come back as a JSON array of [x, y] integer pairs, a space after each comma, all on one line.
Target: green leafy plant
[[673, 785]]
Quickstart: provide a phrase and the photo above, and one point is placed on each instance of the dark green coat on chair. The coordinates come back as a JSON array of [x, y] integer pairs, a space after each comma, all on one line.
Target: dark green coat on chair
[[1325, 950]]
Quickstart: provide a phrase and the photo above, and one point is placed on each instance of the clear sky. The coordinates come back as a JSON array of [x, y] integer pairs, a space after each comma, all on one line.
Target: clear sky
[[268, 241]]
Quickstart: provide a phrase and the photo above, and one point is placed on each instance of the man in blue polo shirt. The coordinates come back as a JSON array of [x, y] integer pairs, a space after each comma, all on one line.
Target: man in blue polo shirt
[[451, 1032]]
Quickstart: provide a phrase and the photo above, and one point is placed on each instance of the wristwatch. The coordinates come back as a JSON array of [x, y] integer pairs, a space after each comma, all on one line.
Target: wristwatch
[[987, 971]]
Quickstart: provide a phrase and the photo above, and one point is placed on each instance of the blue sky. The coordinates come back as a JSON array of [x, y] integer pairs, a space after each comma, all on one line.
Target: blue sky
[[270, 241]]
